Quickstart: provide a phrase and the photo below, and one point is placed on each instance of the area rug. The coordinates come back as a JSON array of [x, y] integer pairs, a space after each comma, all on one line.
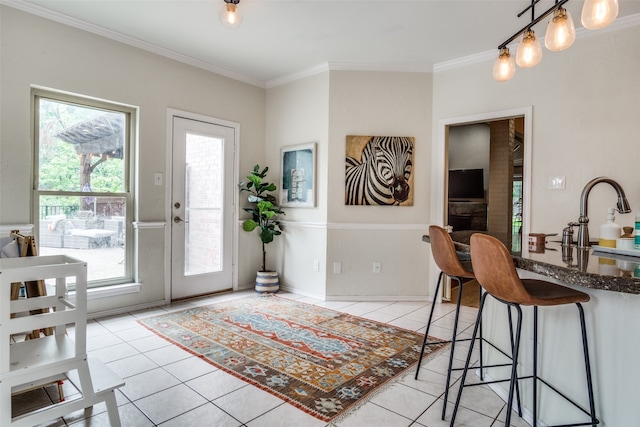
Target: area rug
[[319, 360]]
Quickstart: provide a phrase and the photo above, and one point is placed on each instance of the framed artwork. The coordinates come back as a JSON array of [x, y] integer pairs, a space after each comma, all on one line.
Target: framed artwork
[[379, 170], [298, 180]]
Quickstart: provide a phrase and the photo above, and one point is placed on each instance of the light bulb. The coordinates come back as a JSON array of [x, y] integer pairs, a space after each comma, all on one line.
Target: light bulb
[[230, 15], [529, 50], [504, 66], [561, 33], [599, 13]]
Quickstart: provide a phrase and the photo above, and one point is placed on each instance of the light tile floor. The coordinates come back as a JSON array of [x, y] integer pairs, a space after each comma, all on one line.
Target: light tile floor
[[167, 386]]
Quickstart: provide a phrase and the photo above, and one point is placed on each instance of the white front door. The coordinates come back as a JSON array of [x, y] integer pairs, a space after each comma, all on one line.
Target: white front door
[[202, 208]]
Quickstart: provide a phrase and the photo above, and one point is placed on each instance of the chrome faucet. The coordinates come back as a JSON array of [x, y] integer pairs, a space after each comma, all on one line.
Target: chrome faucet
[[583, 221], [567, 234]]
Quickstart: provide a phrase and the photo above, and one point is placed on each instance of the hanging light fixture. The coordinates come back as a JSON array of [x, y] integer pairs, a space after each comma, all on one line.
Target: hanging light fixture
[[599, 13], [230, 15], [529, 51], [504, 67], [561, 33]]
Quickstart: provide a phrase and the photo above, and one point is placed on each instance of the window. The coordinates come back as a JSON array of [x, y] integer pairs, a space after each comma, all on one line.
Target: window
[[83, 194]]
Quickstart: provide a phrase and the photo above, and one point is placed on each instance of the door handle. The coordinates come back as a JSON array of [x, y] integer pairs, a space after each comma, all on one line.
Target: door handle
[[178, 220]]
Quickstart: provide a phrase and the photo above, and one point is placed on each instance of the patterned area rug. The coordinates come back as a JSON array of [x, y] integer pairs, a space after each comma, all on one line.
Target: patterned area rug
[[319, 360]]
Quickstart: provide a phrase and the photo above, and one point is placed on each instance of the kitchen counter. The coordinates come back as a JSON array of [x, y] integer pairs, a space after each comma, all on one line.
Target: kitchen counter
[[611, 317], [587, 268]]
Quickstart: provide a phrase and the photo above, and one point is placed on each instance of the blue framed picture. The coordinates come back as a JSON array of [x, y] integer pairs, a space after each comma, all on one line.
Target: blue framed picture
[[298, 180]]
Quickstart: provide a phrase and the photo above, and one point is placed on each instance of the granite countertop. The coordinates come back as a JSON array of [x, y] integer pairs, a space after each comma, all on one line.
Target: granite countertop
[[588, 268]]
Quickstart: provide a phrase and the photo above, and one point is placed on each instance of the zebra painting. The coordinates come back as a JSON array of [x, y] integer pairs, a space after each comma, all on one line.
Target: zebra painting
[[378, 170]]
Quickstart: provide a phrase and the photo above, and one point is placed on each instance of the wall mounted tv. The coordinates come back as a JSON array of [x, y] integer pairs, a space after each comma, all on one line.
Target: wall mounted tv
[[466, 185]]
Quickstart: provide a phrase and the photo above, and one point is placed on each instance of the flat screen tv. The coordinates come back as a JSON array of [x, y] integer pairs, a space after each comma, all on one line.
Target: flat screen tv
[[466, 185]]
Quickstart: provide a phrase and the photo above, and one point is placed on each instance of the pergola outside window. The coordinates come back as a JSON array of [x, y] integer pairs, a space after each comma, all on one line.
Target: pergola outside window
[[83, 195]]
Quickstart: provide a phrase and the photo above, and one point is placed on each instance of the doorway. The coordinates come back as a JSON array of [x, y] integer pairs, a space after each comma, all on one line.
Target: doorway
[[202, 208], [485, 164], [513, 211]]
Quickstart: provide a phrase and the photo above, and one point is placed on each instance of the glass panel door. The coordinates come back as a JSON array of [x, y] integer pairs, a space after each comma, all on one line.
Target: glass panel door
[[202, 208]]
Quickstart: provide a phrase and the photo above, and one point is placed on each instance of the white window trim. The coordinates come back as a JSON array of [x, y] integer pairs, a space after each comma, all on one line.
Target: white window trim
[[130, 172]]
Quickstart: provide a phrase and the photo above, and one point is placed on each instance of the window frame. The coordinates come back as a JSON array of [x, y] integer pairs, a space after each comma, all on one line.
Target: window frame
[[128, 192]]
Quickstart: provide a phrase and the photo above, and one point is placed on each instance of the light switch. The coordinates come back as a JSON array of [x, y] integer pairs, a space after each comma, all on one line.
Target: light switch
[[556, 183], [157, 178]]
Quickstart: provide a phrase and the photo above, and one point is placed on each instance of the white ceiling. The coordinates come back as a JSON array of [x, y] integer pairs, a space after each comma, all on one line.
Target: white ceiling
[[283, 39]]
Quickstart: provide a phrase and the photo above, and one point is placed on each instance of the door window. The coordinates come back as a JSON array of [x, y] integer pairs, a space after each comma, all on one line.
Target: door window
[[203, 204]]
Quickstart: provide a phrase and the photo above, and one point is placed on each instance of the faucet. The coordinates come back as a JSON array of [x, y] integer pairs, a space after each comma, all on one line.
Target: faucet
[[567, 234], [583, 221]]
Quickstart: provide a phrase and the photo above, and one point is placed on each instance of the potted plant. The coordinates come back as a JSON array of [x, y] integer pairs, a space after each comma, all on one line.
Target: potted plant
[[264, 216]]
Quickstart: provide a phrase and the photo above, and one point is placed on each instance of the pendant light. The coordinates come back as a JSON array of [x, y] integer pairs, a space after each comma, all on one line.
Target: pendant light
[[599, 13], [230, 14], [529, 51], [504, 67], [561, 33]]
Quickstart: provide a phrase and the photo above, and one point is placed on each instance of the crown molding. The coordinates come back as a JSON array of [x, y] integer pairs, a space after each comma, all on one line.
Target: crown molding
[[318, 69], [350, 66], [581, 33], [618, 24], [122, 38], [396, 68], [464, 61]]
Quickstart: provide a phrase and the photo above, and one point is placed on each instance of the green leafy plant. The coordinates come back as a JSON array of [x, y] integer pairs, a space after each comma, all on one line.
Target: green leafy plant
[[264, 211]]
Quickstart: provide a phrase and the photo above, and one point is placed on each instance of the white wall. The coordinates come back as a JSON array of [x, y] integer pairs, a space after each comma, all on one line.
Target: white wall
[[298, 113], [39, 52], [326, 108], [585, 121], [378, 103], [585, 124]]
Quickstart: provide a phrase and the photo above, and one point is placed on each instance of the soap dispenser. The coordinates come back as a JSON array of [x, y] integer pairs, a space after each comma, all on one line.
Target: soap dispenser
[[609, 231]]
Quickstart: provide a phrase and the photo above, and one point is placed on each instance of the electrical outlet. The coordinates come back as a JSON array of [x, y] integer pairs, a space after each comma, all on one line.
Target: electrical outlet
[[337, 267], [316, 265], [376, 267]]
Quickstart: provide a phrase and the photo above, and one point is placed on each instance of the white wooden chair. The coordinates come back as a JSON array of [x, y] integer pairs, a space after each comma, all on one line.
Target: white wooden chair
[[33, 363]]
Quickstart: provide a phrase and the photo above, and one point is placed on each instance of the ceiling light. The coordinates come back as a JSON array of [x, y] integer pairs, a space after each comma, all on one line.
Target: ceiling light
[[504, 67], [599, 13], [230, 15], [561, 33], [529, 50]]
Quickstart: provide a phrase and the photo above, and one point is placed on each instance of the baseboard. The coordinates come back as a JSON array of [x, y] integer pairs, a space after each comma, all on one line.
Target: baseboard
[[378, 298], [125, 310], [303, 293]]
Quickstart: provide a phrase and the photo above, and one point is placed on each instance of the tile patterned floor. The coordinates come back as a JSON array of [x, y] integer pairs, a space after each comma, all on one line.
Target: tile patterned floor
[[167, 386]]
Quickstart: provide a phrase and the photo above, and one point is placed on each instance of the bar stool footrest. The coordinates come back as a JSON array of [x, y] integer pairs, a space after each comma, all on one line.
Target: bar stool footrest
[[566, 398]]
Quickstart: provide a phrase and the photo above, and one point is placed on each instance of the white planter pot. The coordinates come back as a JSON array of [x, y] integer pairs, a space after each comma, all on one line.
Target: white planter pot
[[267, 282]]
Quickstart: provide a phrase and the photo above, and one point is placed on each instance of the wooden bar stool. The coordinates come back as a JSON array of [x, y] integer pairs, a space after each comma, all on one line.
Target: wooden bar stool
[[447, 259], [496, 272]]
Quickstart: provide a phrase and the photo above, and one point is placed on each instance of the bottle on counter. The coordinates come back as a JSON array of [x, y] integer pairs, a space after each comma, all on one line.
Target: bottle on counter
[[637, 242], [610, 231]]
